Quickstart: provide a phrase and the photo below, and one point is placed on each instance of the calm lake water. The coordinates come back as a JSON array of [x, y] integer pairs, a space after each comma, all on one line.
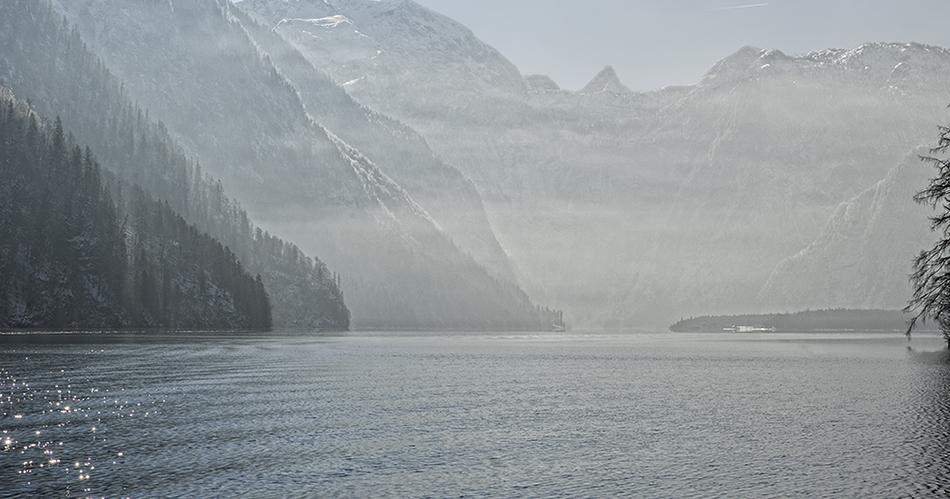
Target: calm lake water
[[560, 415]]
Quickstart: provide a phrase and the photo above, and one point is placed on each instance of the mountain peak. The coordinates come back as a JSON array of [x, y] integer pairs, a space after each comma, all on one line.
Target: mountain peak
[[878, 64], [606, 81]]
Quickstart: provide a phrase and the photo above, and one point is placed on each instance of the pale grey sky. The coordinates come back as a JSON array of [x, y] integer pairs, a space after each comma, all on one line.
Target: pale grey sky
[[656, 43]]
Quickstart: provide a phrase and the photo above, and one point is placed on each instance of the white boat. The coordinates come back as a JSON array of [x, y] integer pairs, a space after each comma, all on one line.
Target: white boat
[[751, 329]]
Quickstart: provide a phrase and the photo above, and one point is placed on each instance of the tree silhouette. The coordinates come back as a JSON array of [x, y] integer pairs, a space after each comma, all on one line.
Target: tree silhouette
[[931, 276]]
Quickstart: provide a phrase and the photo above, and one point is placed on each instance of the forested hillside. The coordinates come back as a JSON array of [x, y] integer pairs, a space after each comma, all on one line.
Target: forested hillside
[[42, 58], [70, 257]]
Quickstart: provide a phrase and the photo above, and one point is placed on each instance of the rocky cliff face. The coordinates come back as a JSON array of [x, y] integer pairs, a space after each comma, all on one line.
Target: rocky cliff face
[[448, 196]]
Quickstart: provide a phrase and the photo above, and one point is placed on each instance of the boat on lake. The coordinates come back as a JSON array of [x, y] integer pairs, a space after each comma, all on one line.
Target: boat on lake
[[750, 329]]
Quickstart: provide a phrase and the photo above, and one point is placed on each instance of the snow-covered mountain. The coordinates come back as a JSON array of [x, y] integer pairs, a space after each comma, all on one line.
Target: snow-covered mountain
[[637, 207], [230, 95], [449, 197], [420, 164], [873, 65]]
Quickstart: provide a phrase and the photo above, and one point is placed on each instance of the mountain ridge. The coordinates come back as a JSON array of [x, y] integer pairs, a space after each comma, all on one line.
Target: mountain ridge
[[849, 264]]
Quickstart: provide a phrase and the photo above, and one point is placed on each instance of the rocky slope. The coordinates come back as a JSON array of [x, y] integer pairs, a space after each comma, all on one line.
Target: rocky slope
[[448, 196], [219, 92]]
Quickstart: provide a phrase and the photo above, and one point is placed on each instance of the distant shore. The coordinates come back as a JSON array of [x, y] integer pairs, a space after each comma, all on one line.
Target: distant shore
[[808, 320]]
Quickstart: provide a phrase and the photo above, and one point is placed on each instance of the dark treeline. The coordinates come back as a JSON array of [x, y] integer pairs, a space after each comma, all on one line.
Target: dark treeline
[[44, 59], [181, 277], [807, 320], [70, 257]]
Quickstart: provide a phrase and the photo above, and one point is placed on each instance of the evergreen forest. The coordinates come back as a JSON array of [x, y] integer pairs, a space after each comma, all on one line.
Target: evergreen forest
[[82, 249]]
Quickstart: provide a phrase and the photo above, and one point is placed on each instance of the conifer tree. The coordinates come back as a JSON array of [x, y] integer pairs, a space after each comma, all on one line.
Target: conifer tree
[[931, 276]]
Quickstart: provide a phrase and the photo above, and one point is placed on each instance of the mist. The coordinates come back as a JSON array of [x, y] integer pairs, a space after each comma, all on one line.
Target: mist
[[363, 248], [445, 189], [628, 209]]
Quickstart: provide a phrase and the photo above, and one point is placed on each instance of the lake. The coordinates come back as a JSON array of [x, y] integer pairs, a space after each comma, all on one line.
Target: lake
[[646, 415]]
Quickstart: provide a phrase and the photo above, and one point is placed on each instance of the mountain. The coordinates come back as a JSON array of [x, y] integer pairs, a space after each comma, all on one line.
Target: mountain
[[540, 84], [630, 208], [854, 260], [230, 101], [606, 81], [439, 182], [394, 44], [448, 196], [71, 257], [46, 61]]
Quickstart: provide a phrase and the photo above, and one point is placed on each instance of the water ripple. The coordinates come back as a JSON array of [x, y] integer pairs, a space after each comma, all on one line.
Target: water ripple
[[476, 416]]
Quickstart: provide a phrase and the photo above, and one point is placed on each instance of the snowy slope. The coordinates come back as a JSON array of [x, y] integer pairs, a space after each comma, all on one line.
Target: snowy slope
[[877, 65], [862, 257], [375, 48]]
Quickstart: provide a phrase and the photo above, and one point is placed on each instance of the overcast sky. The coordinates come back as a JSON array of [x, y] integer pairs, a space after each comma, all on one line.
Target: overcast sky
[[657, 43]]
